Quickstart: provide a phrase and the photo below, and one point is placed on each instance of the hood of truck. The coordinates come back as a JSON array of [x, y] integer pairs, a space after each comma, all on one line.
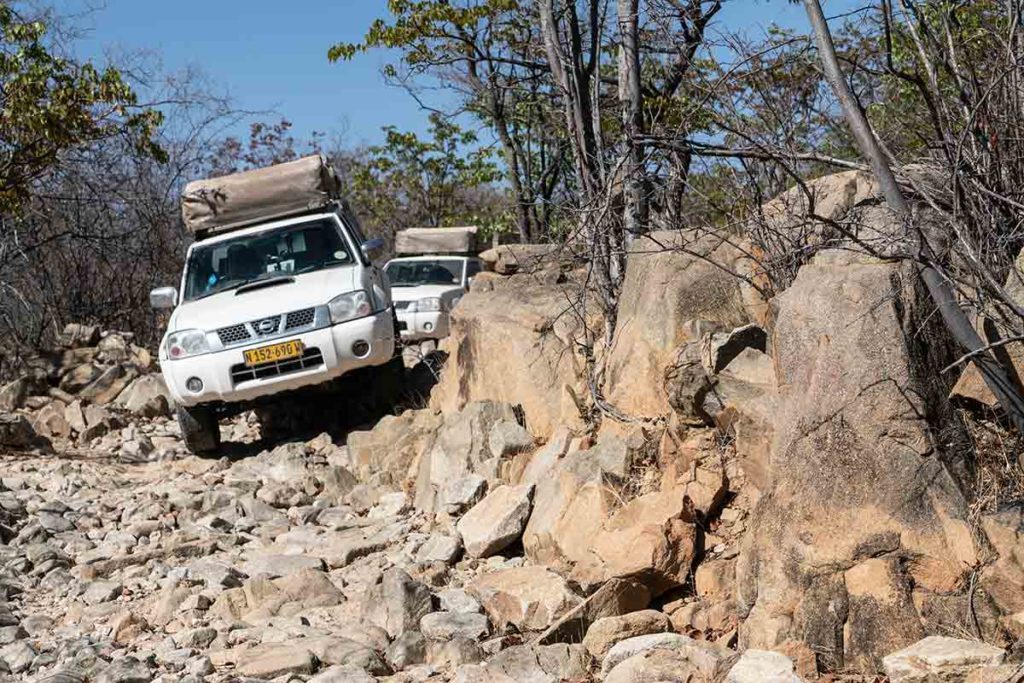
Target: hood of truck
[[231, 308], [424, 291]]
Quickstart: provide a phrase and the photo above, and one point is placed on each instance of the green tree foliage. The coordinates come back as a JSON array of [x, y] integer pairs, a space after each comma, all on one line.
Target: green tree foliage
[[485, 50], [442, 179], [50, 103]]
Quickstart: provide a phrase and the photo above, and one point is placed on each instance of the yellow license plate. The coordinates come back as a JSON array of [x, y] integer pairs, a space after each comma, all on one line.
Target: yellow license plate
[[274, 352]]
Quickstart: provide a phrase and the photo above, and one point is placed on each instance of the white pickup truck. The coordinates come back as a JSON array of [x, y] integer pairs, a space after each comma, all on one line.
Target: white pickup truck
[[425, 289], [430, 275], [279, 292]]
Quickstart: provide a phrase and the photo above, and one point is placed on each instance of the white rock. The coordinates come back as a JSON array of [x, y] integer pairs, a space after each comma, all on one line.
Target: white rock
[[940, 658], [704, 656], [448, 625], [762, 666], [439, 548], [458, 600], [497, 521]]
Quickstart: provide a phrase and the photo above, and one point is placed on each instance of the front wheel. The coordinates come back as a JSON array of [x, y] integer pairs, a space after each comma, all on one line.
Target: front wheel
[[199, 429]]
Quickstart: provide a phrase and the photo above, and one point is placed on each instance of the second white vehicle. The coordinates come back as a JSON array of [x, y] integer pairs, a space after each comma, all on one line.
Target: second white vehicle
[[425, 289]]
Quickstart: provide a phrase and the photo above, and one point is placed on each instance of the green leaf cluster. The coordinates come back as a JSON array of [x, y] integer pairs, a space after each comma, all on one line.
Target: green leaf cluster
[[50, 103]]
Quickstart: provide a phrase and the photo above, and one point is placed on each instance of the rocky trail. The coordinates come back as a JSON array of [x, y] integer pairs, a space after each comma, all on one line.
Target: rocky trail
[[283, 566], [796, 501]]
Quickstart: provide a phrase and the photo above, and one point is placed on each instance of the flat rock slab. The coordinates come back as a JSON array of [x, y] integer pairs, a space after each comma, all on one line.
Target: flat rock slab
[[706, 658], [272, 662], [762, 666], [280, 565], [449, 625], [497, 521], [940, 658], [530, 598], [607, 632]]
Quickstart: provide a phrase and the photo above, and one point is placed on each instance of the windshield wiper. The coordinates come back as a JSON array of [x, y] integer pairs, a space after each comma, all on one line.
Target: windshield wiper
[[260, 283]]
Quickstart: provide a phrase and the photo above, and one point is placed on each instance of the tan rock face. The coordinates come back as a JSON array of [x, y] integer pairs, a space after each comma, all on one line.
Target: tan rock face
[[570, 507], [651, 537], [461, 446], [651, 327], [512, 341], [855, 479], [1003, 580], [530, 598], [393, 447]]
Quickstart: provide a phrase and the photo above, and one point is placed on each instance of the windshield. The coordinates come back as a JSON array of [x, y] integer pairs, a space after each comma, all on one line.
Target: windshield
[[298, 248], [412, 273]]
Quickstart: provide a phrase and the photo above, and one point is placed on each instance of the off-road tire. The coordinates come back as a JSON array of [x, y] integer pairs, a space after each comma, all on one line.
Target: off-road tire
[[199, 429], [393, 385]]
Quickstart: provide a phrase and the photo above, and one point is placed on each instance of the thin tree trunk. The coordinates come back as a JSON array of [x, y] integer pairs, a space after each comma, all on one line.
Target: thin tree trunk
[[635, 214], [994, 374]]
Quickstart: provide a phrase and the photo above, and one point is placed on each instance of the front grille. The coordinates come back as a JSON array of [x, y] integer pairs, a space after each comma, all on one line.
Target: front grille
[[233, 334], [401, 305], [266, 326], [243, 373], [299, 318]]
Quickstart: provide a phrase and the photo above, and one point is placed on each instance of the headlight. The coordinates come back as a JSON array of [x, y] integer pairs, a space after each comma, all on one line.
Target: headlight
[[349, 306], [186, 343], [431, 303]]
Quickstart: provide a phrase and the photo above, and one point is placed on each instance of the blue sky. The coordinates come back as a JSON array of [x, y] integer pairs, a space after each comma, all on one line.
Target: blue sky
[[271, 55]]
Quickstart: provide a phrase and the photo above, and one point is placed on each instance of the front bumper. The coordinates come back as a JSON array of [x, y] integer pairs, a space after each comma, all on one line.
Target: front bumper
[[424, 325], [226, 380]]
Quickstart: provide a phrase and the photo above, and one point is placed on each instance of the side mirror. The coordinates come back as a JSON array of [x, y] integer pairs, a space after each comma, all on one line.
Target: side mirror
[[370, 247], [163, 297], [469, 282]]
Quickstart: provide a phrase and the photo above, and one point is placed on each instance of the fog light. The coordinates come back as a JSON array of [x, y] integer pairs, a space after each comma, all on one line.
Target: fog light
[[194, 384], [360, 348], [428, 326]]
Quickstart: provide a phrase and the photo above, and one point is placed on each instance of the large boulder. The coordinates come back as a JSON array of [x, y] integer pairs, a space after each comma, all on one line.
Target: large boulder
[[605, 633], [672, 278], [16, 432], [651, 538], [397, 603], [508, 259], [516, 339], [529, 598], [573, 500], [862, 522], [108, 385]]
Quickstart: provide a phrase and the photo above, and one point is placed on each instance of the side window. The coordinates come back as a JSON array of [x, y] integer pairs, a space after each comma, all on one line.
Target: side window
[[472, 268]]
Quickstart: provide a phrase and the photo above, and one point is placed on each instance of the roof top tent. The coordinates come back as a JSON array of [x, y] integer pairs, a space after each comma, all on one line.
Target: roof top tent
[[217, 205], [447, 241]]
